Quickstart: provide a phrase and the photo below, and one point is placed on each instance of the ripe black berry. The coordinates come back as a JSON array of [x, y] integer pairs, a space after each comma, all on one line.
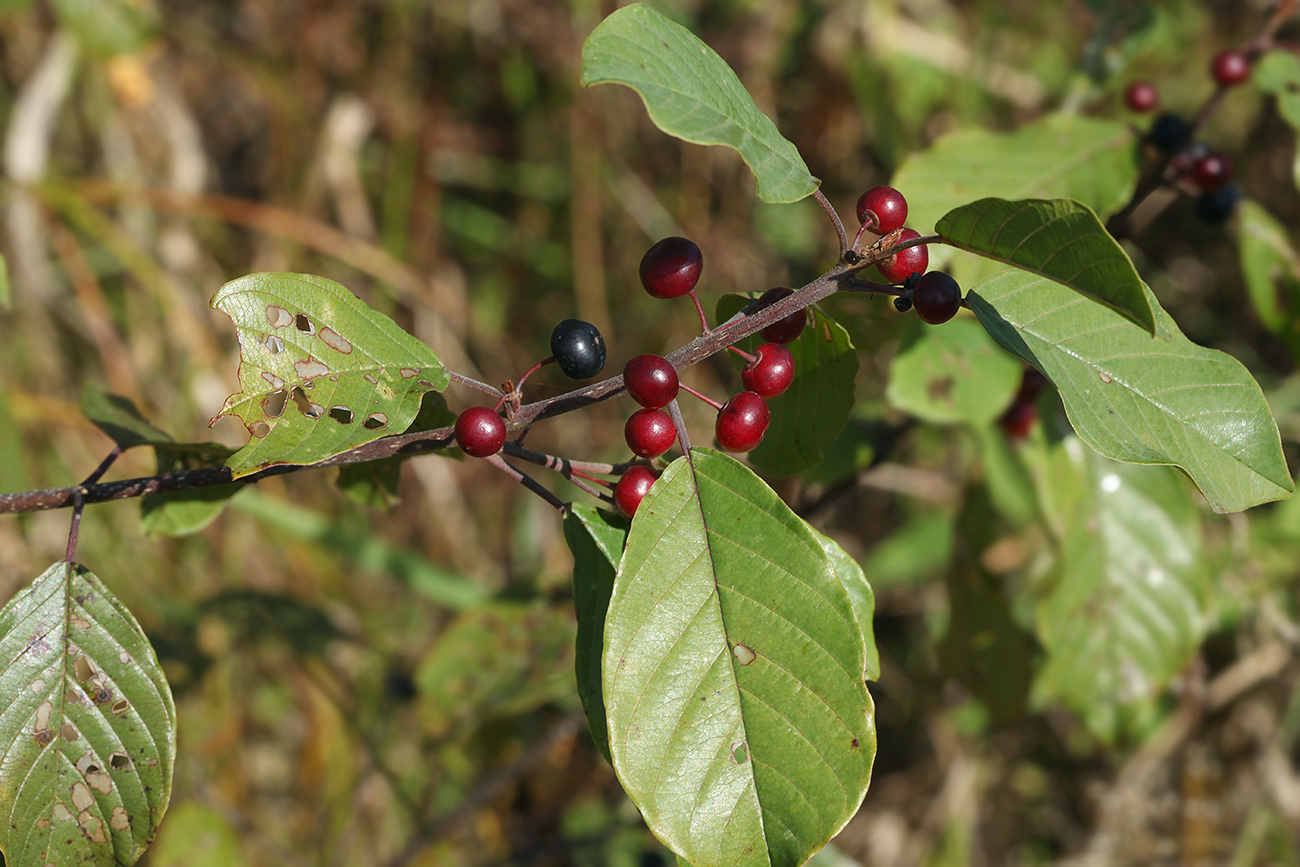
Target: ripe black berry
[[632, 487], [1169, 132], [742, 421], [1141, 96], [936, 297], [787, 329], [882, 210], [671, 268], [1212, 171], [905, 263], [651, 380], [1229, 68], [772, 372], [1217, 207], [480, 432], [649, 433], [578, 348]]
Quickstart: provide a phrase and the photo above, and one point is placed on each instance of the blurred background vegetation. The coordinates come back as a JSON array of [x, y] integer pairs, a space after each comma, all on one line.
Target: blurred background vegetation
[[366, 681]]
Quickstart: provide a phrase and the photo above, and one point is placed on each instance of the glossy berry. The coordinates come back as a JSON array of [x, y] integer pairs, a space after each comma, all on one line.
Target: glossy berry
[[649, 433], [1141, 96], [1217, 207], [1211, 172], [936, 297], [651, 380], [787, 329], [480, 432], [632, 487], [772, 373], [671, 268], [742, 421], [1169, 132], [905, 263], [578, 348], [882, 210], [1183, 161], [1229, 68]]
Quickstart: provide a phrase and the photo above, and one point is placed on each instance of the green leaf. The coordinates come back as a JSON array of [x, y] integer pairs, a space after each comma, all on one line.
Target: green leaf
[[739, 722], [596, 539], [180, 513], [108, 27], [1270, 265], [89, 727], [1056, 238], [691, 93], [1278, 73], [119, 418], [188, 822], [1127, 606], [321, 372], [861, 598], [1062, 155], [952, 373], [1161, 401]]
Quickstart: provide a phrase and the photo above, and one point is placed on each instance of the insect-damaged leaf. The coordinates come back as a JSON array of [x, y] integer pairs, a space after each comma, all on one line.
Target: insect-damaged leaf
[[321, 372]]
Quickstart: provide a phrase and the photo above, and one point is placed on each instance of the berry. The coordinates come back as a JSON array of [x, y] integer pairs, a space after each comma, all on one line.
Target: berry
[[1169, 132], [651, 380], [671, 268], [1217, 207], [632, 487], [1229, 68], [1183, 161], [1019, 420], [1141, 96], [1212, 171], [936, 297], [578, 348], [772, 373], [742, 421], [882, 210], [784, 330], [480, 432], [649, 433], [905, 263]]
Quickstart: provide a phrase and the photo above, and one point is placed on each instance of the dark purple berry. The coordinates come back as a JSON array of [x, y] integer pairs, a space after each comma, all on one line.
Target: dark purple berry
[[649, 433], [1141, 96], [1169, 132], [1217, 207], [742, 421], [1211, 172], [882, 210], [905, 263], [651, 380], [784, 330], [772, 372], [632, 487], [671, 268], [578, 348], [480, 432], [1229, 68], [936, 297]]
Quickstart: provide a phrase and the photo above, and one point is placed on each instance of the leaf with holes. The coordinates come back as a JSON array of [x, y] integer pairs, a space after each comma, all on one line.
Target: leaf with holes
[[691, 93], [739, 721], [88, 730], [1057, 238], [321, 372], [1132, 398]]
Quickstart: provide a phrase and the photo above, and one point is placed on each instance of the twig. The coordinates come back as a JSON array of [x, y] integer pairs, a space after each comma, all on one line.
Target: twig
[[835, 221]]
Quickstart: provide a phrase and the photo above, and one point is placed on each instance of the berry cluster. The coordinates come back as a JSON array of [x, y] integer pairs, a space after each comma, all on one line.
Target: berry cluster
[[1194, 167], [934, 294]]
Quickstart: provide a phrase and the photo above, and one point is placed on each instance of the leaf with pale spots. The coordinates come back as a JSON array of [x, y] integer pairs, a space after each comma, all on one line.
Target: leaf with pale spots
[[89, 728], [321, 372], [738, 719]]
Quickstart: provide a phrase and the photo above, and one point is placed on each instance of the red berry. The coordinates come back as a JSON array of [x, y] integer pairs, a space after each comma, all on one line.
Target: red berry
[[1212, 171], [905, 263], [632, 487], [882, 210], [1229, 68], [1141, 96], [651, 380], [742, 421], [784, 330], [480, 432], [772, 373], [1019, 419], [671, 268], [936, 297], [649, 432]]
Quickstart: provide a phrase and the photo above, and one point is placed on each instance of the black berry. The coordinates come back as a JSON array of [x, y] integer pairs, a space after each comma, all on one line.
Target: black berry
[[905, 263], [936, 297], [1217, 207], [671, 268], [772, 372], [649, 433], [1141, 96], [1229, 68], [632, 487], [651, 380], [787, 329], [1169, 132], [480, 432], [882, 210], [578, 348], [742, 421]]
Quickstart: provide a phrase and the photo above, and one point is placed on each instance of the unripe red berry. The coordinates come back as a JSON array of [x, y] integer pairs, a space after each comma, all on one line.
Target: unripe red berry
[[649, 432], [786, 329], [632, 487], [905, 263], [671, 267], [651, 380], [1212, 171], [480, 432], [742, 421], [1141, 96], [882, 210], [1229, 68], [771, 373]]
